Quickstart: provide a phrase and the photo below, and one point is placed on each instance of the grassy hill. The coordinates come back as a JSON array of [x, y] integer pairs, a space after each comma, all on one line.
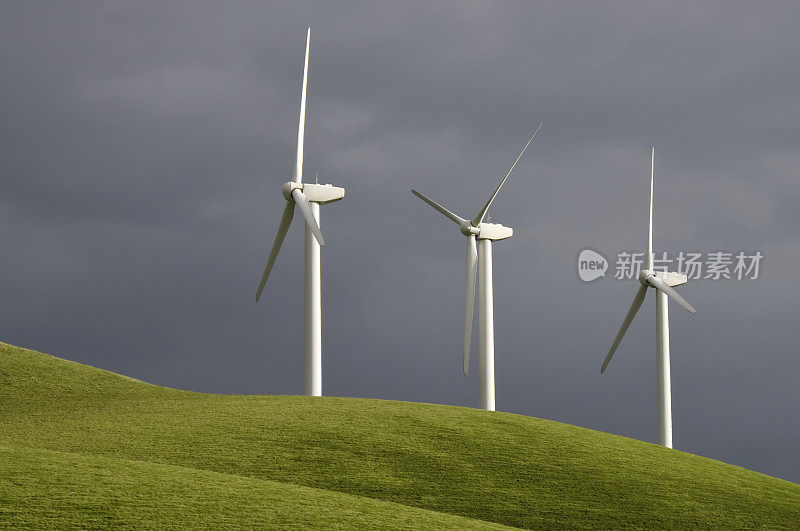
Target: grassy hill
[[84, 444]]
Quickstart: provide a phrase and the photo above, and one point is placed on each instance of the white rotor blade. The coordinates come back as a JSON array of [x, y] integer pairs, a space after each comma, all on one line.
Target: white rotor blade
[[301, 128], [650, 230], [305, 208], [635, 305], [440, 208], [286, 220], [670, 292], [482, 213], [472, 269]]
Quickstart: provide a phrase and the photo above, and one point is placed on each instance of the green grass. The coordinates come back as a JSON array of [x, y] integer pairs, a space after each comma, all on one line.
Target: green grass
[[142, 455], [46, 489]]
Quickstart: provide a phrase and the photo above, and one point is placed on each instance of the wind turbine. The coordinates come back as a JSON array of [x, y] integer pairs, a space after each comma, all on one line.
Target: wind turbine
[[663, 283], [307, 197], [480, 236]]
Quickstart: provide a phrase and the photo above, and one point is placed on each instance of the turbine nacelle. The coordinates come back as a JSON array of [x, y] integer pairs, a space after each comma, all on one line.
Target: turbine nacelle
[[670, 278], [316, 193], [494, 231], [486, 231]]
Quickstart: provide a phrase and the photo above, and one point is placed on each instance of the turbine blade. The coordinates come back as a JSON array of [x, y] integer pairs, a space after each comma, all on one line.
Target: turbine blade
[[635, 305], [482, 212], [472, 269], [286, 220], [305, 208], [670, 292], [440, 208], [650, 229], [301, 128]]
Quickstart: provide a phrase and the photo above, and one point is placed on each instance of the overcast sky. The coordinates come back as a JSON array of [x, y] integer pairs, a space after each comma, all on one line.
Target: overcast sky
[[143, 147]]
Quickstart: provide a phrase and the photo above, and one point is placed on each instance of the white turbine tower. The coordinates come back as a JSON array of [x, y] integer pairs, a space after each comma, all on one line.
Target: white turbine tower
[[484, 234], [663, 283], [307, 197]]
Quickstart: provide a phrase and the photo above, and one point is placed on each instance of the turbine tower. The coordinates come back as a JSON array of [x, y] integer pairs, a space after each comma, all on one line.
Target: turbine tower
[[480, 236], [307, 197], [663, 283]]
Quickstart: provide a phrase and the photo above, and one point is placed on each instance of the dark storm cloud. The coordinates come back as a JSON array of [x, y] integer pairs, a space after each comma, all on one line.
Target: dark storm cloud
[[144, 144]]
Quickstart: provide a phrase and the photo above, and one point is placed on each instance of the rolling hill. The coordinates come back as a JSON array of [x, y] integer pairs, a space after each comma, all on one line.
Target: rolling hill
[[85, 447]]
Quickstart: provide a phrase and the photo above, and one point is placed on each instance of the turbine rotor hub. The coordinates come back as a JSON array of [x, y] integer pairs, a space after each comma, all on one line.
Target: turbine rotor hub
[[288, 187], [467, 229]]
